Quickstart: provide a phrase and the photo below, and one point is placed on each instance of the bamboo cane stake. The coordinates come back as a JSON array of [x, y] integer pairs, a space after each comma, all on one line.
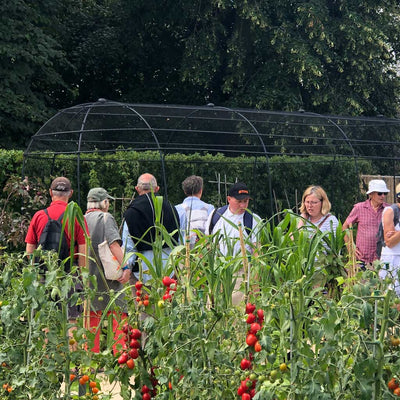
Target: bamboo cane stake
[[245, 263], [86, 302], [187, 254], [352, 253]]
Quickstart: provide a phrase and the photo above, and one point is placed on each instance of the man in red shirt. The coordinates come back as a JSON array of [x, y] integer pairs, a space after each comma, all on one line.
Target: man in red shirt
[[368, 215], [60, 192]]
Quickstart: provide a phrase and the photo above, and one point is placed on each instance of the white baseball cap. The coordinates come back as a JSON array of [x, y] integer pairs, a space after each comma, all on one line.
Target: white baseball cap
[[377, 185]]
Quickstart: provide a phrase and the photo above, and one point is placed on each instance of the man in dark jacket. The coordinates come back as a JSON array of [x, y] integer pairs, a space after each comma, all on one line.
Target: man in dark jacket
[[139, 232]]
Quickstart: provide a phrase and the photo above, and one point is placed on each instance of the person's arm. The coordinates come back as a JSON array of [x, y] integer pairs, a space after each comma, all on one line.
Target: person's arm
[[345, 227], [117, 252], [127, 242], [30, 248], [82, 255], [301, 220], [391, 236]]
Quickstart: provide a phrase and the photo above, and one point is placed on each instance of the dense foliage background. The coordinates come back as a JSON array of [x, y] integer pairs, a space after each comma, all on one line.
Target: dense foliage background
[[336, 57]]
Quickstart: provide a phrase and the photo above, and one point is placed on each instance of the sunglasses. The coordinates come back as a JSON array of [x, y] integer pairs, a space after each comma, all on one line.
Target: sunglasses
[[380, 193]]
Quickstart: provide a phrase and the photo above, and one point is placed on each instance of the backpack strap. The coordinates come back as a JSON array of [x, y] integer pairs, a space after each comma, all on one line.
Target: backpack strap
[[247, 219], [322, 222], [216, 216]]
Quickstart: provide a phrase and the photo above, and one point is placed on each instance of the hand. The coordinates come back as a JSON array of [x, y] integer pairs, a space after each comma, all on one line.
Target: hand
[[126, 274], [390, 234]]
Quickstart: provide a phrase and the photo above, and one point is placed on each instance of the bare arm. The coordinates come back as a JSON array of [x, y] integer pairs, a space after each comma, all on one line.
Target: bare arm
[[30, 248], [117, 252], [391, 236], [346, 226], [82, 255]]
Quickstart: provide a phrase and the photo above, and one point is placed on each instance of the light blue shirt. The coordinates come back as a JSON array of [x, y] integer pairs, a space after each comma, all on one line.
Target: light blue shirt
[[185, 210], [148, 254]]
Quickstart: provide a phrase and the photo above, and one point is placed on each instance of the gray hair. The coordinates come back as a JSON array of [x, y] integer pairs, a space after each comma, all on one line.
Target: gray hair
[[149, 185], [192, 185], [61, 193], [101, 205]]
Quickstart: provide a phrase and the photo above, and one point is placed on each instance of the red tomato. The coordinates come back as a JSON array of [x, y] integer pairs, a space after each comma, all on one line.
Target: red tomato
[[255, 327], [250, 308], [251, 339], [145, 389], [133, 353], [251, 318], [134, 344], [130, 363], [123, 358], [167, 281], [146, 396], [135, 334], [257, 347], [138, 285], [245, 364]]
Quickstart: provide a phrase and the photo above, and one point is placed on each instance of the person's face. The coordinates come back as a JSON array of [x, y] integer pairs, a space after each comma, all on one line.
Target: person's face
[[378, 197], [238, 206], [313, 205]]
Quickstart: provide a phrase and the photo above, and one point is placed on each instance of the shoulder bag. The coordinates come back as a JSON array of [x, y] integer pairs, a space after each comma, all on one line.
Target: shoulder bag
[[111, 266]]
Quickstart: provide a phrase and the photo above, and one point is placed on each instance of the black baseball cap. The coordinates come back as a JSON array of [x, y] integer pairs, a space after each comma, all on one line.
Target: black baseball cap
[[239, 191]]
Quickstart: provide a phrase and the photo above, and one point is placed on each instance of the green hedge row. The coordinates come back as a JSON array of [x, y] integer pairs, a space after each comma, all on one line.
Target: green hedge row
[[276, 183]]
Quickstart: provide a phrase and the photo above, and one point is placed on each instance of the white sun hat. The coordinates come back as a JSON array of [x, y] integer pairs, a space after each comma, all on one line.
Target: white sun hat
[[377, 185]]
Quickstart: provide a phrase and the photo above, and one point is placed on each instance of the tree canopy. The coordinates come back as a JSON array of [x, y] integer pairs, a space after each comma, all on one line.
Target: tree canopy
[[330, 56]]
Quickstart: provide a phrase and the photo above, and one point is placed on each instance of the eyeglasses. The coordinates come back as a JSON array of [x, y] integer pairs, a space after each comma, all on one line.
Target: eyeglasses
[[311, 203], [381, 194]]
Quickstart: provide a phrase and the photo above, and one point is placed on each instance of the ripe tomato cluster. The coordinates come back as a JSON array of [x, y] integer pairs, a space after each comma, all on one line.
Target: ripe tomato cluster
[[141, 298], [393, 385], [247, 389], [7, 387], [170, 285], [255, 319], [85, 379], [132, 346], [148, 393]]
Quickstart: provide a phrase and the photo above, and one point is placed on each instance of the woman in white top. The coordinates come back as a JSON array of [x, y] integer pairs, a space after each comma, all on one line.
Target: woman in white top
[[391, 251], [315, 207]]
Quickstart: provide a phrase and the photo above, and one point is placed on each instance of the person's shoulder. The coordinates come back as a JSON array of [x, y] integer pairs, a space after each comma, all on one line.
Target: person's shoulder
[[209, 207], [256, 217], [333, 217]]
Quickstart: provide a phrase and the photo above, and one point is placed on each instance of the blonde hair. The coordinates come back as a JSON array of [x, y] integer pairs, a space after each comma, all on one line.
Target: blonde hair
[[320, 193]]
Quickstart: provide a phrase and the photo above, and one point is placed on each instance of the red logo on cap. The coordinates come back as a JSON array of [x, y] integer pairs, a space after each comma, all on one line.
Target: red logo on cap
[[243, 191]]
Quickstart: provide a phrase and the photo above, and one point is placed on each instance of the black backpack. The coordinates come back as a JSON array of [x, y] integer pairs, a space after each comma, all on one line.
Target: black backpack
[[247, 219], [52, 235], [380, 241]]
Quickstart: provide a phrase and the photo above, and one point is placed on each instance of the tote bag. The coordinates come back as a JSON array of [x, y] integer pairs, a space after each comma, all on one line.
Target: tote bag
[[112, 268]]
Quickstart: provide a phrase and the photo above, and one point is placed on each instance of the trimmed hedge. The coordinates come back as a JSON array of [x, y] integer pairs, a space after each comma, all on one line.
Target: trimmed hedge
[[275, 184]]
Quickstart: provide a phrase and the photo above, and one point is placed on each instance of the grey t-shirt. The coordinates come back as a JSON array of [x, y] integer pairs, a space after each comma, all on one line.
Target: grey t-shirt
[[99, 231]]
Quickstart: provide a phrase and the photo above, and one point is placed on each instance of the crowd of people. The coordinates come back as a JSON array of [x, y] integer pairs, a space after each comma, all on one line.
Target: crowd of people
[[193, 218]]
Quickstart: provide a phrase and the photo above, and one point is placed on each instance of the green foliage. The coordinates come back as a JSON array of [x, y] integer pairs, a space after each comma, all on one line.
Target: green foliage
[[313, 346], [337, 58]]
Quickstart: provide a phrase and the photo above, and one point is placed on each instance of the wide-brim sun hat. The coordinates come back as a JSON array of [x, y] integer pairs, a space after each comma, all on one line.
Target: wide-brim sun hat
[[377, 185]]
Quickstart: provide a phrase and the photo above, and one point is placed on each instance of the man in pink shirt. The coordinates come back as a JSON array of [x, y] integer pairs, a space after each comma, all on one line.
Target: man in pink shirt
[[367, 215]]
